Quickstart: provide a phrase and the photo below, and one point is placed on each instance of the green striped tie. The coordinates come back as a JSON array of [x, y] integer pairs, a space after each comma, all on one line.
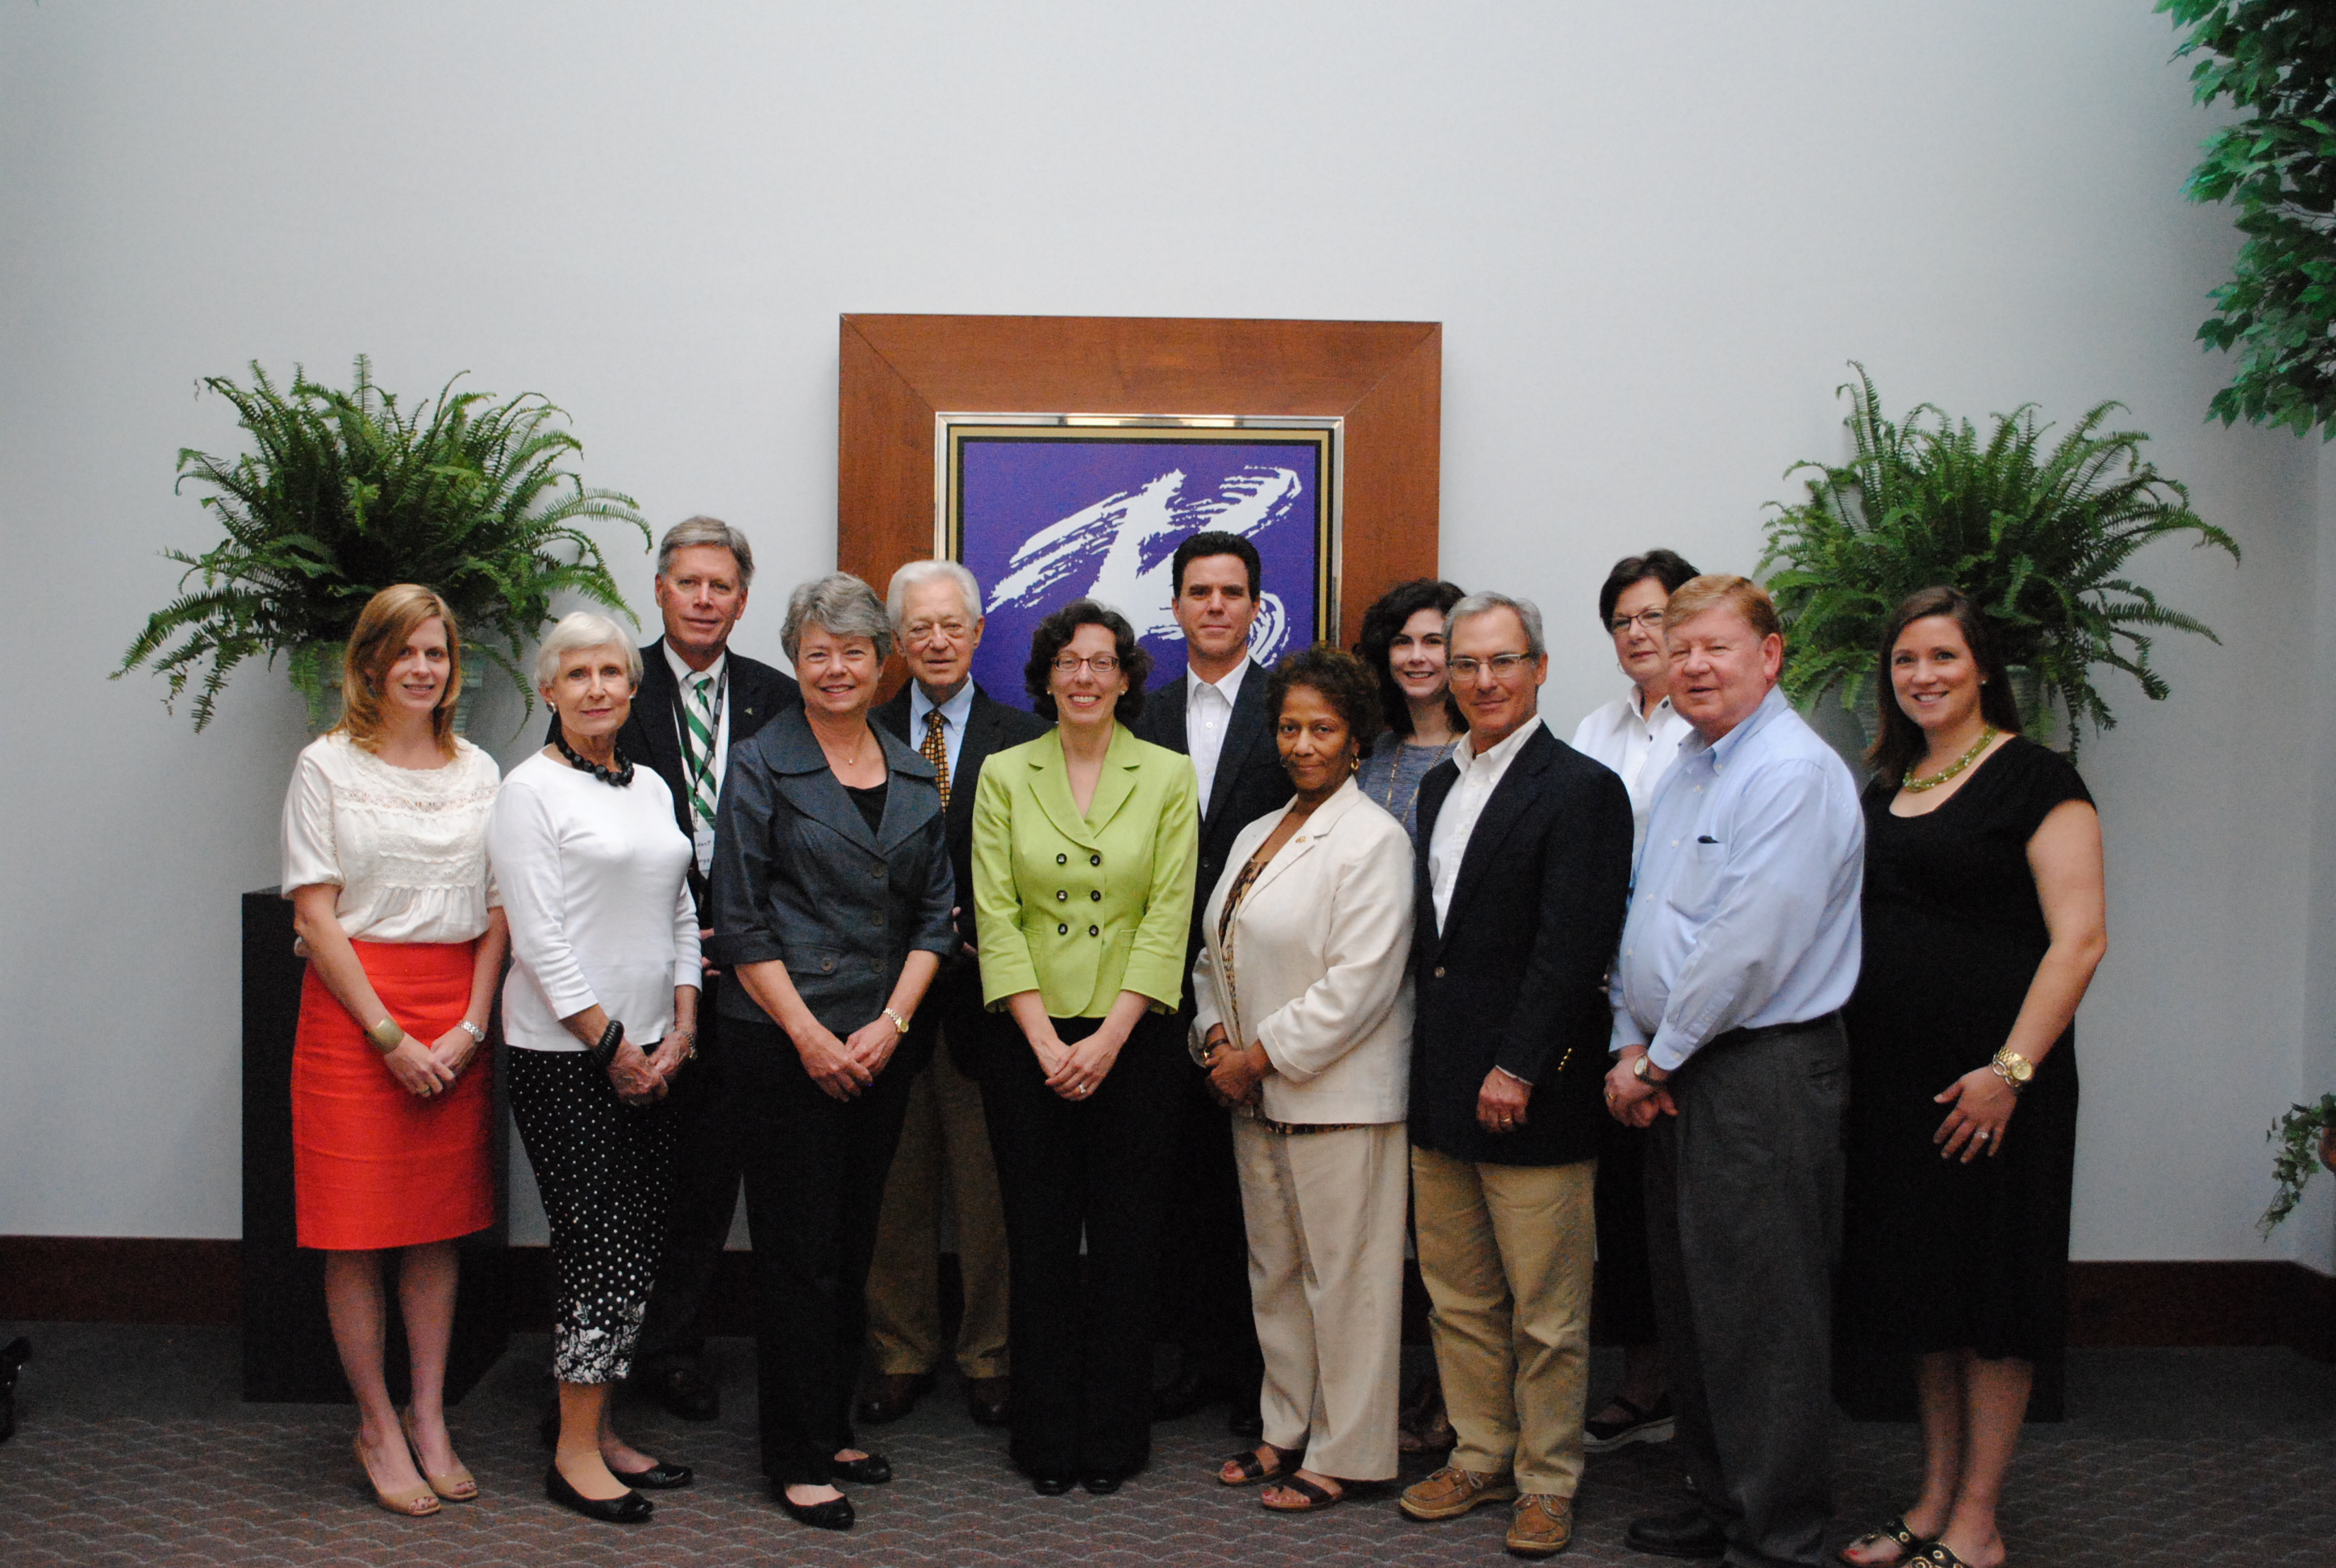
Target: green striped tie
[[700, 715]]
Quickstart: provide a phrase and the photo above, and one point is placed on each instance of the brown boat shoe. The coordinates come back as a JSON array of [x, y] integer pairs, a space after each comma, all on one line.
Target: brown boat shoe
[[1452, 1492], [1542, 1526]]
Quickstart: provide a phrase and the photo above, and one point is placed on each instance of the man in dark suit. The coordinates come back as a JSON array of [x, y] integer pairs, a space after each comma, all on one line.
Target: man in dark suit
[[936, 611], [1521, 893], [1215, 714], [697, 699]]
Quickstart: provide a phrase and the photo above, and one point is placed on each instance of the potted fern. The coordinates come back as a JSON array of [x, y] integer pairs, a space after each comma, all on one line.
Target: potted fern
[[2306, 1135], [346, 494], [2039, 534]]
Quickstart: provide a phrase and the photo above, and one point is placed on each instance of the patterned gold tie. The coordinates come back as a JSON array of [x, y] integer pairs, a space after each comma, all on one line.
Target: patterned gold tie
[[936, 751]]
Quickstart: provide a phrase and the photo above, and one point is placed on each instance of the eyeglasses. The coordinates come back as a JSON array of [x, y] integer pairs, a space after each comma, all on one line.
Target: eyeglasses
[[923, 630], [1652, 620], [1502, 664], [1101, 664]]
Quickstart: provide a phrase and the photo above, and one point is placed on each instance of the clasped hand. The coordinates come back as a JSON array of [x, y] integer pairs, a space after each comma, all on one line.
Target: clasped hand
[[844, 1068], [422, 1070], [1235, 1077], [1076, 1071]]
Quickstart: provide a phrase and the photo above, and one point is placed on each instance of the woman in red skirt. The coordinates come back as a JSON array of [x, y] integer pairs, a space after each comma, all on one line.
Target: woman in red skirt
[[385, 863]]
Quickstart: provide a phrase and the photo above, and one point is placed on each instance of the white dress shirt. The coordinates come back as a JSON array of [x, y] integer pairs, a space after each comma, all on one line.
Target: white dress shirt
[[1208, 714], [955, 713], [702, 832], [1639, 748], [1479, 776], [1744, 912]]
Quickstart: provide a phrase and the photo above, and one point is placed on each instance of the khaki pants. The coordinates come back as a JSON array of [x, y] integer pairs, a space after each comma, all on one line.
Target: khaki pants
[[945, 1127], [1324, 1217], [1505, 1251]]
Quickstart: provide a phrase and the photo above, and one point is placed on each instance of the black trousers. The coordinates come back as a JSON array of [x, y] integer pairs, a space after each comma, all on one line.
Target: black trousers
[[705, 1171], [1081, 1329], [1744, 1225], [815, 1170], [1622, 1291], [1205, 1309]]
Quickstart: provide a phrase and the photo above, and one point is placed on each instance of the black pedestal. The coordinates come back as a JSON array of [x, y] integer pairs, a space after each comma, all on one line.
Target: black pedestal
[[287, 1344]]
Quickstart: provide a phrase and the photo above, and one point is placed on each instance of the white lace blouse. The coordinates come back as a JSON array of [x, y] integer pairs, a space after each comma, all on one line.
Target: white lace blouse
[[406, 847]]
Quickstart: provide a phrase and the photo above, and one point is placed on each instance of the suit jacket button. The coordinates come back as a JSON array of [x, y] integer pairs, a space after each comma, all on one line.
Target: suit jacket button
[[1094, 930], [1096, 893], [1062, 893], [1439, 971], [1095, 860], [826, 965], [1061, 860], [1062, 930]]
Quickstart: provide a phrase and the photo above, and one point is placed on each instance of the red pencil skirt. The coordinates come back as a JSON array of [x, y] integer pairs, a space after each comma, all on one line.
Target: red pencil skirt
[[373, 1165]]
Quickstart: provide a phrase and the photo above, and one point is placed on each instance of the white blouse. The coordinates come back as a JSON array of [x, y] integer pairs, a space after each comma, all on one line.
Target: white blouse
[[407, 847], [595, 880], [1642, 751]]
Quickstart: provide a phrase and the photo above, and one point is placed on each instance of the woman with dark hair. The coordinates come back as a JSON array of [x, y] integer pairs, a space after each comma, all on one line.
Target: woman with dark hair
[[1302, 1017], [1638, 735], [1983, 924], [1401, 647], [1083, 846]]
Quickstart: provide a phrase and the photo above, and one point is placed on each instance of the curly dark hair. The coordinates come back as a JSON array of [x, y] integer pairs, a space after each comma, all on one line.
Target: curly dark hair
[[1381, 622], [1899, 742], [1344, 681], [1665, 566], [1053, 635]]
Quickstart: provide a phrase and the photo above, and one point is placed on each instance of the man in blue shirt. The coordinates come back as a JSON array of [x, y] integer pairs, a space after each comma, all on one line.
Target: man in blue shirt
[[1740, 949]]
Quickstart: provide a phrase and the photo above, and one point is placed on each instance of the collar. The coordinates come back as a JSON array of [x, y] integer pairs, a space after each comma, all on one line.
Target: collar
[[681, 673], [1464, 755], [1631, 706], [954, 712], [1723, 750], [1228, 689]]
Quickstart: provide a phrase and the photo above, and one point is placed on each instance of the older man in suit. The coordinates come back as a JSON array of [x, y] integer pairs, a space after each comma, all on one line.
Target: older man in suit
[[696, 700], [1519, 900], [936, 611], [1215, 714]]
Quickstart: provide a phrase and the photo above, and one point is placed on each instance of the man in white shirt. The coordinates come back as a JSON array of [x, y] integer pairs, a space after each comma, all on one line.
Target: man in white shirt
[[1519, 896]]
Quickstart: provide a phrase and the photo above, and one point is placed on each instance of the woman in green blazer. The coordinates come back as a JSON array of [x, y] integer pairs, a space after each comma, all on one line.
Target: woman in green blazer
[[1084, 842]]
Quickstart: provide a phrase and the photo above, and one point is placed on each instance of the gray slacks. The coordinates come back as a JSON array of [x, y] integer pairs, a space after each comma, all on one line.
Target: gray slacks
[[1743, 1224]]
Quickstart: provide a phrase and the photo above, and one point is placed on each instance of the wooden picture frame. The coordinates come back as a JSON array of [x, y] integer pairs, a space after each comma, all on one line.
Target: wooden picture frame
[[901, 375]]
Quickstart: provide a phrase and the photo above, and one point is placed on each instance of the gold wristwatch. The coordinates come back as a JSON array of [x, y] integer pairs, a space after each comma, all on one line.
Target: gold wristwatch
[[2014, 1070], [899, 1024]]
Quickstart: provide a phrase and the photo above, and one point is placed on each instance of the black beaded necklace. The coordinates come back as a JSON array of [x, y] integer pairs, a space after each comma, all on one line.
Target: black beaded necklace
[[619, 776]]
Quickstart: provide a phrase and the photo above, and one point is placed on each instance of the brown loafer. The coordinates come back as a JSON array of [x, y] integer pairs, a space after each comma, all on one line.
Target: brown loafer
[[891, 1396], [989, 1400], [1452, 1492], [1542, 1526]]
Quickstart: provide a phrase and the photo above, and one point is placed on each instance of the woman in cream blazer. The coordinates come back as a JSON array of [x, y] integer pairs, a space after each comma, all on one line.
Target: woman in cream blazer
[[1302, 1014]]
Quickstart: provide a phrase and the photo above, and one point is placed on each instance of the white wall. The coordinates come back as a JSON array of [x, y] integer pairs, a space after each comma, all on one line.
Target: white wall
[[1654, 233]]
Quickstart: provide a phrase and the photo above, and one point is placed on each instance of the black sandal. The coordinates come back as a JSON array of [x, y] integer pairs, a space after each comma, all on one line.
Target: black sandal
[[1253, 1470], [1317, 1497], [1910, 1544], [1938, 1554]]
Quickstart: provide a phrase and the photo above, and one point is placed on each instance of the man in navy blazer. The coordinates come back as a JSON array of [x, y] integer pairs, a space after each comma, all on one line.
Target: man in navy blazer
[[705, 568], [1522, 885], [1214, 714], [936, 611]]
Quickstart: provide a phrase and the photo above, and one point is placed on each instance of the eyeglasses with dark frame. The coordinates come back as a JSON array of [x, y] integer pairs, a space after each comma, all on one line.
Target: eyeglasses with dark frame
[[1101, 663]]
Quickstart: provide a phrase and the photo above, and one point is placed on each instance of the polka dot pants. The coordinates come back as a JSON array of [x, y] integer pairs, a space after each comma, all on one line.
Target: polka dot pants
[[603, 1168]]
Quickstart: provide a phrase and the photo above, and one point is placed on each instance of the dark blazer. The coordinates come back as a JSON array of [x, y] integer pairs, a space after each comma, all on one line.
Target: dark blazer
[[757, 693], [1515, 977], [990, 727], [1250, 781], [798, 878]]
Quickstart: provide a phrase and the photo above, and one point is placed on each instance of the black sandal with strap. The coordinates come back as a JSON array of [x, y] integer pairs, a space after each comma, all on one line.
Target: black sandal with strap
[[1938, 1554], [1253, 1470], [1910, 1545], [1317, 1497]]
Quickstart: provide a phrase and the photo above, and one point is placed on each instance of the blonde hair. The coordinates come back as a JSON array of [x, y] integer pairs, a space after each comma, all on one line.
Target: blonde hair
[[387, 620], [1719, 590]]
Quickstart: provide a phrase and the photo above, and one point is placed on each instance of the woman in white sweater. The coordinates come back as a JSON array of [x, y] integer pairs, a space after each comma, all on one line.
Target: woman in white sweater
[[600, 1009], [1302, 1016]]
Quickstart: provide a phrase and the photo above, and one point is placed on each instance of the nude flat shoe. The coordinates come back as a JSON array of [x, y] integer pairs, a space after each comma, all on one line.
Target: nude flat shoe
[[456, 1486], [411, 1502]]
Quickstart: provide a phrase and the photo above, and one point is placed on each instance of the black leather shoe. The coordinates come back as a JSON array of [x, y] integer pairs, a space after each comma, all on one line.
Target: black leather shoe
[[658, 1478], [835, 1514], [872, 1471], [629, 1509], [1689, 1532], [1050, 1485], [891, 1396], [989, 1401], [1188, 1391], [1102, 1483], [687, 1391]]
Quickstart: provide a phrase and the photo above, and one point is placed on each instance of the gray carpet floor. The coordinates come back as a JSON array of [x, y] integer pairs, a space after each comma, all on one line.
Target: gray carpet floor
[[135, 1452]]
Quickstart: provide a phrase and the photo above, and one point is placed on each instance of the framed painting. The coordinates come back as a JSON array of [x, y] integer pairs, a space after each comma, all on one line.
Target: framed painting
[[1045, 510], [1057, 456]]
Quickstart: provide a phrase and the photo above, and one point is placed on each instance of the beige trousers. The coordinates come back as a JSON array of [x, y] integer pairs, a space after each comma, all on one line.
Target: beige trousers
[[1325, 1216], [1505, 1252], [944, 1128]]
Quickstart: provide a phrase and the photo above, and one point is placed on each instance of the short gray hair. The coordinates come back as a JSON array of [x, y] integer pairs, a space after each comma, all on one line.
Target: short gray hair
[[840, 605], [918, 573], [581, 629], [707, 530], [1528, 614]]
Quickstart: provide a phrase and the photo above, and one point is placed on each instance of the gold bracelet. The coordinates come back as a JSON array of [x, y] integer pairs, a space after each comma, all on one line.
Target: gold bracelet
[[899, 1024], [386, 1036]]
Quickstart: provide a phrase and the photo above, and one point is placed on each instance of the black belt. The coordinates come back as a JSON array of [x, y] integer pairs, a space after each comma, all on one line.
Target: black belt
[[1769, 1031]]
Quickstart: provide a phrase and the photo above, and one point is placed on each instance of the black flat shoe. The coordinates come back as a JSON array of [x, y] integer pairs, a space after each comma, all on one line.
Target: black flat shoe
[[629, 1509], [835, 1514], [1689, 1532], [687, 1392], [658, 1478], [1102, 1483], [1050, 1485], [872, 1471]]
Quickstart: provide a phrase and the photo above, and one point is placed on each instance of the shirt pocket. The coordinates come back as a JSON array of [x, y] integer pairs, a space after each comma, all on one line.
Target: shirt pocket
[[1696, 876]]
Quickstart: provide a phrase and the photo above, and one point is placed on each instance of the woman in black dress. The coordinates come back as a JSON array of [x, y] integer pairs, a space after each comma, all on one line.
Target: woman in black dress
[[1983, 926]]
